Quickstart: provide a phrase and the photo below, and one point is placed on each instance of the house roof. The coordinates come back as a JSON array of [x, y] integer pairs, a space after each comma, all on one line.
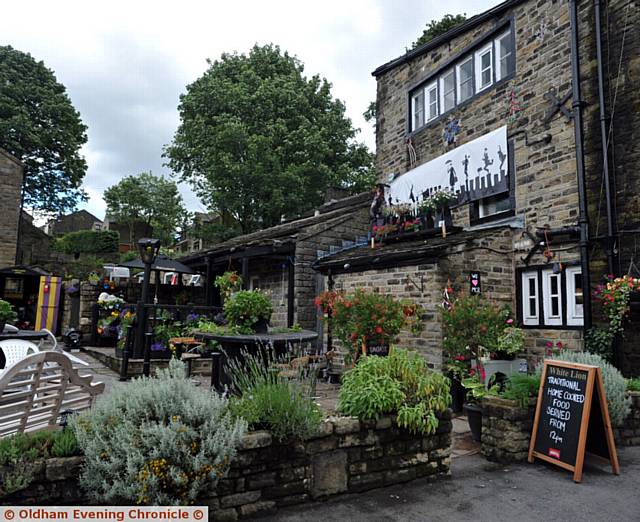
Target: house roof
[[428, 248], [445, 37], [287, 233], [11, 157]]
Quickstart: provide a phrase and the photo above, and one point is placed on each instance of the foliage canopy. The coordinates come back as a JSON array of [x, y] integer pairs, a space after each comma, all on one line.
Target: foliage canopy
[[437, 27], [150, 199], [39, 126], [259, 140], [88, 242]]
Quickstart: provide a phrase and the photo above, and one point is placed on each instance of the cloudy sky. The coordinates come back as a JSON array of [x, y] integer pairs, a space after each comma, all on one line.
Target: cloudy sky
[[125, 64]]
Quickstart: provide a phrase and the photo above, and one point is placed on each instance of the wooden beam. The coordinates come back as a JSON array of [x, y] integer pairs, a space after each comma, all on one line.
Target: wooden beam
[[291, 297]]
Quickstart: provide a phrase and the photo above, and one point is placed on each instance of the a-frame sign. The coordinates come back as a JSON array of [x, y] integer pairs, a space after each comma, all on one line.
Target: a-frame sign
[[572, 418]]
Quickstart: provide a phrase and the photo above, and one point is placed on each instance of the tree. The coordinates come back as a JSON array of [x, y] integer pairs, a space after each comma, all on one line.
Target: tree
[[150, 199], [39, 125], [438, 27], [259, 140]]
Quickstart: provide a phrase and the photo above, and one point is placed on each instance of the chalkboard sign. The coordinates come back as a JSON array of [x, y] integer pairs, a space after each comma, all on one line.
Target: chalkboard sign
[[571, 405], [380, 349]]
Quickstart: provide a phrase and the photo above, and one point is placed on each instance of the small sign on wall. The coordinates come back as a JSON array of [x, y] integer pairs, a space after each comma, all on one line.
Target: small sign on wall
[[474, 283]]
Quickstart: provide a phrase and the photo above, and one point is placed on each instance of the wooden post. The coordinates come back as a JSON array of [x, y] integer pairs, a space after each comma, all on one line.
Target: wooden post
[[245, 273], [291, 298], [208, 286]]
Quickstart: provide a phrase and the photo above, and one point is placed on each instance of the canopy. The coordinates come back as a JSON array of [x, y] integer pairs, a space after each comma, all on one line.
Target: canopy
[[162, 263]]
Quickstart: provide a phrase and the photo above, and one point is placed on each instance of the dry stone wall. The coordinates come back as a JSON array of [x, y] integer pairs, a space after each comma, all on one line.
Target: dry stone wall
[[11, 173]]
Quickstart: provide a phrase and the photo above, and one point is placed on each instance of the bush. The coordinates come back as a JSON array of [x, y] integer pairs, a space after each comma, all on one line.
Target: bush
[[520, 388], [158, 441], [633, 384], [267, 400], [7, 313], [400, 383], [88, 242], [19, 452], [247, 307], [615, 384]]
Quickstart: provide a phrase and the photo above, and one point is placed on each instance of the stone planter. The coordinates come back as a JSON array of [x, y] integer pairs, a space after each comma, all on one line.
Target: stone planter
[[629, 433], [506, 429]]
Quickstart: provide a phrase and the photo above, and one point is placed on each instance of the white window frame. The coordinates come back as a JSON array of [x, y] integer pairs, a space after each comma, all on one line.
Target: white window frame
[[478, 66], [443, 107], [414, 125], [254, 283], [459, 83], [527, 318], [427, 101], [574, 318], [551, 320], [499, 57]]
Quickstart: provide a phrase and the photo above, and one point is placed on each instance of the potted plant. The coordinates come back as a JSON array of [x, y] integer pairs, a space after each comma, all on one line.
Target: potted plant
[[441, 200], [228, 283], [427, 208], [510, 343], [476, 391], [365, 319], [249, 310], [7, 314]]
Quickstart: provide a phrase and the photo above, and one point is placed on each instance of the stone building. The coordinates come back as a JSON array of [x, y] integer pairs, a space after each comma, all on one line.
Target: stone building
[[11, 173], [278, 259], [78, 220], [505, 111]]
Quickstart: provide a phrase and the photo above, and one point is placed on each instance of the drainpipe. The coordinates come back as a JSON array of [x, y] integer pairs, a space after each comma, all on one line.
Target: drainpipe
[[583, 220], [605, 148]]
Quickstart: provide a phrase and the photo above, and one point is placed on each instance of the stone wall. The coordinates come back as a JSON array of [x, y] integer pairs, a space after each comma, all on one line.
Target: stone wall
[[11, 172], [506, 430], [347, 456]]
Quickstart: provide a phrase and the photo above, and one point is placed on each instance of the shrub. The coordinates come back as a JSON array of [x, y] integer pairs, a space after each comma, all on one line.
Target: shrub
[[267, 400], [633, 384], [400, 383], [158, 441], [247, 307], [614, 383], [88, 242], [520, 388], [7, 313], [19, 452]]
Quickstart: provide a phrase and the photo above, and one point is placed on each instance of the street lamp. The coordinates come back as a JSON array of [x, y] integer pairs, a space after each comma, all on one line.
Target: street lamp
[[148, 249]]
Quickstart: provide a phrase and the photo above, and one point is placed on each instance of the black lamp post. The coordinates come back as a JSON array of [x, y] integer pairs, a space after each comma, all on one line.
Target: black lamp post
[[148, 249]]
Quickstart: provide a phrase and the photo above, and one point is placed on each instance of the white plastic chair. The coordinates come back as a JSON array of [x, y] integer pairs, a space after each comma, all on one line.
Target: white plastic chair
[[51, 344], [15, 350]]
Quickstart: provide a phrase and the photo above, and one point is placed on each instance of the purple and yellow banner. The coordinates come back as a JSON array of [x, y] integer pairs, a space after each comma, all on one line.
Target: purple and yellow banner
[[48, 303]]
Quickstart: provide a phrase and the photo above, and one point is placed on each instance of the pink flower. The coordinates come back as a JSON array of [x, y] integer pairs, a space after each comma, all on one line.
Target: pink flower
[[549, 344], [559, 344], [509, 321]]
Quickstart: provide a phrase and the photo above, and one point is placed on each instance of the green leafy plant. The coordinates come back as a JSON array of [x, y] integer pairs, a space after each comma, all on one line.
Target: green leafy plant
[[268, 400], [633, 384], [364, 317], [437, 27], [600, 341], [521, 388], [18, 453], [246, 307], [88, 242], [615, 384], [158, 441], [401, 383], [614, 297], [228, 283], [510, 341], [7, 313], [472, 326], [476, 390]]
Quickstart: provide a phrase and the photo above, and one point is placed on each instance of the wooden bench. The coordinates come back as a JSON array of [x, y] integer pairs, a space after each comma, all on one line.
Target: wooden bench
[[37, 389]]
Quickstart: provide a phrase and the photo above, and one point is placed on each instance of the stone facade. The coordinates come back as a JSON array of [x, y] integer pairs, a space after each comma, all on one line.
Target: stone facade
[[506, 430], [11, 173], [346, 456], [79, 220]]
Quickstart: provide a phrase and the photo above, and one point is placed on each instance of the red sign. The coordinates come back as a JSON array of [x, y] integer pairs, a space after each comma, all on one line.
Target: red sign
[[554, 453]]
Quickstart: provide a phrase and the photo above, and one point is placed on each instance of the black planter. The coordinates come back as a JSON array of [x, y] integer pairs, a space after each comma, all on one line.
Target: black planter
[[474, 415], [504, 356], [261, 326], [457, 394]]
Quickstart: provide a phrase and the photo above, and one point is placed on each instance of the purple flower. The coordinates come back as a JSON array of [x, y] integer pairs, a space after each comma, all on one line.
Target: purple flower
[[157, 347], [193, 317]]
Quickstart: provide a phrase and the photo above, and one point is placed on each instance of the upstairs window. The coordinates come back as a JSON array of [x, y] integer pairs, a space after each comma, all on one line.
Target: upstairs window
[[484, 67], [552, 298], [431, 93], [465, 79], [530, 305], [417, 109], [448, 90], [504, 55], [476, 70]]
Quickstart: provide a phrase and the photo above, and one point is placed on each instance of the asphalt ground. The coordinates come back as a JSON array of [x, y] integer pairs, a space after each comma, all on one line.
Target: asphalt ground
[[481, 491]]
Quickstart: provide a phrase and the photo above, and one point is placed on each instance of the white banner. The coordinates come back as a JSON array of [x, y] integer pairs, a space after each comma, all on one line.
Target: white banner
[[474, 170]]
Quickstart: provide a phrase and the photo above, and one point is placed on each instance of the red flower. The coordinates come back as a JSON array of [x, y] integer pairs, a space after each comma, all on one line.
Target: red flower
[[559, 344], [549, 344], [459, 357], [378, 329]]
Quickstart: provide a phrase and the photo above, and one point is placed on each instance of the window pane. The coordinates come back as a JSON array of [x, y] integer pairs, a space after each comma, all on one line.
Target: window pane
[[555, 305], [532, 287], [465, 72], [485, 61], [433, 103], [553, 281], [418, 110], [449, 91], [486, 77], [494, 205], [532, 303]]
